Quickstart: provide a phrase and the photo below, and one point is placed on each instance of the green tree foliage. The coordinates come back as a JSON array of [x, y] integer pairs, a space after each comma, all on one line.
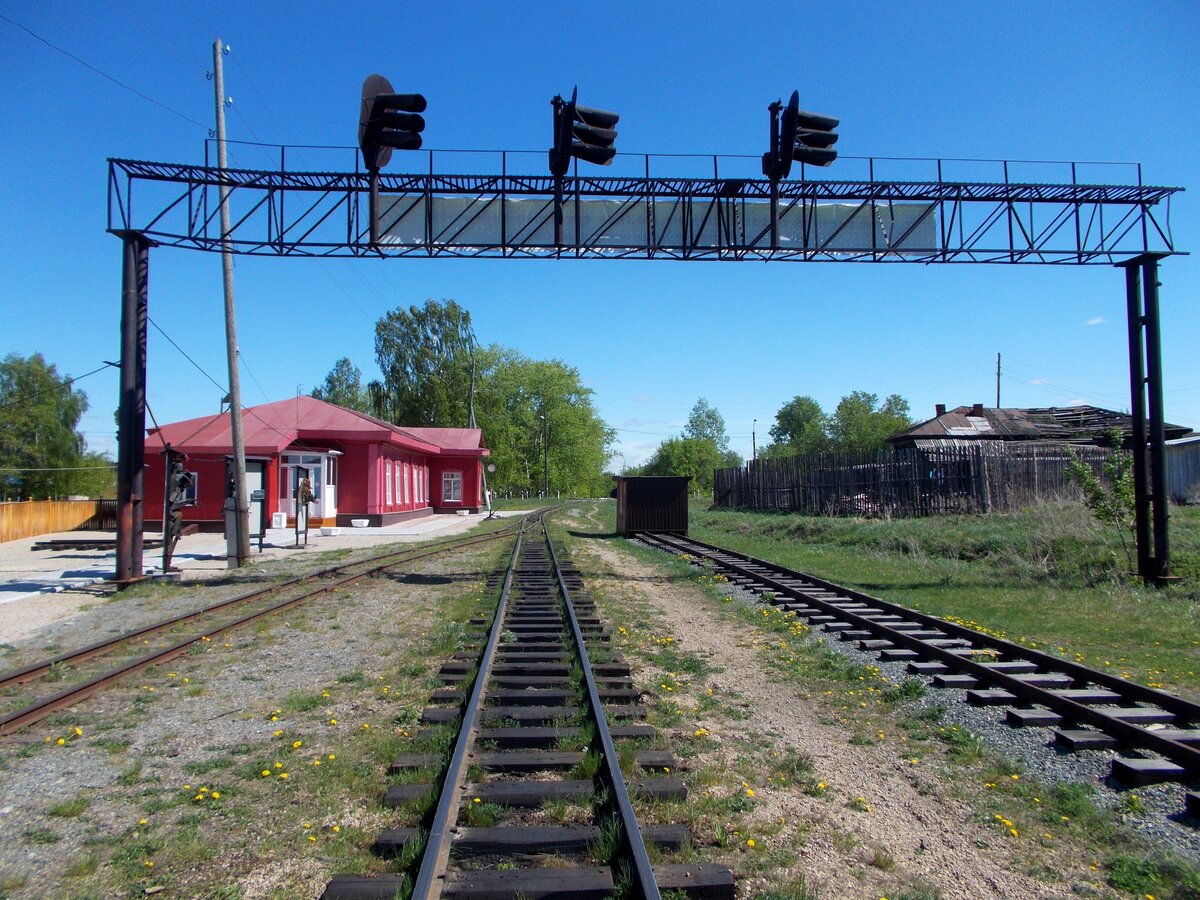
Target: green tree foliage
[[705, 422], [861, 423], [1113, 504], [39, 415], [343, 386], [800, 427], [424, 354], [513, 394], [702, 448]]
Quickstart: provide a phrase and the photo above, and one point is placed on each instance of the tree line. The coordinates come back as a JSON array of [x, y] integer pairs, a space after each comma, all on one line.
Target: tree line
[[42, 453], [861, 422], [537, 417]]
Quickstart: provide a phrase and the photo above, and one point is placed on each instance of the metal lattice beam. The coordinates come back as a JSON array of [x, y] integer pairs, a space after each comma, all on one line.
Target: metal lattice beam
[[285, 213]]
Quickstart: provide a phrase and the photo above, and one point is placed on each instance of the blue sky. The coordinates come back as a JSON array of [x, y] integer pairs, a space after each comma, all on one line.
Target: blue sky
[[1047, 81]]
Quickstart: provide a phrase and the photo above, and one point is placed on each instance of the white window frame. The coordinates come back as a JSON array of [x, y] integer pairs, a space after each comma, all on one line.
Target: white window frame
[[452, 483], [407, 488], [191, 493], [398, 472], [387, 482]]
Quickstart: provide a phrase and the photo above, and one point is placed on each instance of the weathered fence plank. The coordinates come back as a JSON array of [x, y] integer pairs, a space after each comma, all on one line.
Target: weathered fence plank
[[991, 478]]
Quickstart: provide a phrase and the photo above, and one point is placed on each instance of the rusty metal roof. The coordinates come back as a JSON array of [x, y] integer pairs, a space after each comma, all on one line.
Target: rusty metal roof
[[1072, 424]]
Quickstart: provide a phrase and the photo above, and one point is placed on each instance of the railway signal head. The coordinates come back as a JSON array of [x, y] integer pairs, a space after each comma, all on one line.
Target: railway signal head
[[387, 121], [798, 135], [582, 132]]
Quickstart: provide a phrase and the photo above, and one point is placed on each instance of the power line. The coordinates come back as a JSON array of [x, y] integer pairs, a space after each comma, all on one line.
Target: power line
[[59, 468], [200, 368], [57, 387], [102, 73]]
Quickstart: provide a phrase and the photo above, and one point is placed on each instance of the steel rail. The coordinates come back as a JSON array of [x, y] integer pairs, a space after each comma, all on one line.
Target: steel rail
[[33, 670], [68, 697], [642, 873], [428, 884], [1132, 735]]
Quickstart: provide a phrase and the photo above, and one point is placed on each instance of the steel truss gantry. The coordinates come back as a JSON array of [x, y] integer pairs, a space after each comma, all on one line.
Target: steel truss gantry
[[286, 213]]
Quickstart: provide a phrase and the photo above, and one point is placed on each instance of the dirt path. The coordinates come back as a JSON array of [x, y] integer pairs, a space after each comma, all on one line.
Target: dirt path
[[914, 831]]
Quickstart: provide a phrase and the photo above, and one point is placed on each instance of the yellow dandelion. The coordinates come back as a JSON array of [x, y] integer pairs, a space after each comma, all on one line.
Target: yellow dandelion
[[216, 795], [337, 828], [332, 757], [61, 741], [311, 838], [750, 842], [142, 821], [296, 745], [266, 773], [283, 774]]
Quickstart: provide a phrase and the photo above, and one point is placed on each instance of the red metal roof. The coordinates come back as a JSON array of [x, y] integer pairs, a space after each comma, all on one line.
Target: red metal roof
[[462, 440], [272, 427]]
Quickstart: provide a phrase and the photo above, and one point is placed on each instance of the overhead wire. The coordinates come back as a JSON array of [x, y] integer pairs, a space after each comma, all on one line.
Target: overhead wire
[[101, 72], [224, 390], [58, 387]]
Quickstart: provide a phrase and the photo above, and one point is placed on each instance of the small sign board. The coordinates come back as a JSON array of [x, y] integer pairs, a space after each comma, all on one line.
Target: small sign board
[[258, 496]]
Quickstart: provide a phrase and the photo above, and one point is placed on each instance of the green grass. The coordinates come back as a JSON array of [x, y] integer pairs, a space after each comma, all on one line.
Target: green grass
[[68, 809], [1043, 577]]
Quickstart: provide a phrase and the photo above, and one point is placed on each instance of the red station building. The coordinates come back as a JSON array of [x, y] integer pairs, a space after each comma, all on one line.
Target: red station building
[[359, 467]]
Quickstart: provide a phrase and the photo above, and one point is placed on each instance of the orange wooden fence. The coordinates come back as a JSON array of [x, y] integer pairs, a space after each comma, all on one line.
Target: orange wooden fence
[[34, 517]]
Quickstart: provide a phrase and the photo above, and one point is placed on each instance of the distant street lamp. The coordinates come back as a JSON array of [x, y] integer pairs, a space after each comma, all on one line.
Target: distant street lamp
[[545, 456]]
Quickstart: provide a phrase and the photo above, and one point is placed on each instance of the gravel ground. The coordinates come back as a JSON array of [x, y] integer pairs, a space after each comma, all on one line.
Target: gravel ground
[[921, 815], [111, 811], [1160, 819], [88, 817]]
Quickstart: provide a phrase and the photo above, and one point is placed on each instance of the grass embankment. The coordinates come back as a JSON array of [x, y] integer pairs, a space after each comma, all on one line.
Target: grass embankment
[[1048, 578]]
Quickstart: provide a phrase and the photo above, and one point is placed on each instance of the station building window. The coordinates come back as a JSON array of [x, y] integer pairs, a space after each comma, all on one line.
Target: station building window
[[452, 487]]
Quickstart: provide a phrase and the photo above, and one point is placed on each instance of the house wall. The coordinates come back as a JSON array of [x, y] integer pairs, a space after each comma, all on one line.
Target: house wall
[[209, 511], [470, 467]]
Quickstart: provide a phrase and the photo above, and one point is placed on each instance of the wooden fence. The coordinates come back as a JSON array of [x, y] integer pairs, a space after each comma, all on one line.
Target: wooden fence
[[33, 517], [994, 478]]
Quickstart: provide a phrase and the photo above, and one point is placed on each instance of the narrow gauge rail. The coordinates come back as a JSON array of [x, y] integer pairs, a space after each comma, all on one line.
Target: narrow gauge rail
[[533, 700], [328, 579], [1088, 708]]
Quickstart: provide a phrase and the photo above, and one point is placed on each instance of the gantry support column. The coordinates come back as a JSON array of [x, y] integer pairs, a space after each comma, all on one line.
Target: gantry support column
[[1151, 499], [131, 415]]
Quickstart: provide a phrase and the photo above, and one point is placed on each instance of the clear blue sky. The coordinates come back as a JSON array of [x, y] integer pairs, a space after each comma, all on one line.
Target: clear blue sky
[[1047, 80]]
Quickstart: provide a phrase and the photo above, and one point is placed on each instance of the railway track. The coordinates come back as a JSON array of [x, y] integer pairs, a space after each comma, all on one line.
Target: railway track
[[1156, 734], [524, 788], [112, 659]]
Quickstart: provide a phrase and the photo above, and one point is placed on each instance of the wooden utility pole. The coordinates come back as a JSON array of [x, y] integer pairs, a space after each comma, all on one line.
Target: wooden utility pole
[[237, 544]]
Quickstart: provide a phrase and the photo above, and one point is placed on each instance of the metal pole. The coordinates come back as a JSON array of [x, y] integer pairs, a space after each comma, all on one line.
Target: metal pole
[[1137, 410], [237, 545], [997, 381], [546, 454], [131, 415], [373, 206], [1159, 496]]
